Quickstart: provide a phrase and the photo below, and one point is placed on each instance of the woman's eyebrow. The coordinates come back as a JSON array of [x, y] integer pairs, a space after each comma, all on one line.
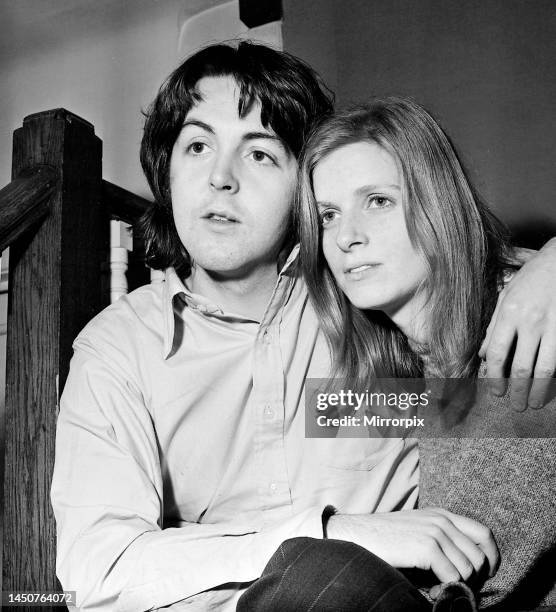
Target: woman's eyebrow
[[364, 189]]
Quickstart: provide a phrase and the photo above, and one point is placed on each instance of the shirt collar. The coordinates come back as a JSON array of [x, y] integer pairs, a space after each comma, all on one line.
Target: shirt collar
[[173, 289], [177, 296]]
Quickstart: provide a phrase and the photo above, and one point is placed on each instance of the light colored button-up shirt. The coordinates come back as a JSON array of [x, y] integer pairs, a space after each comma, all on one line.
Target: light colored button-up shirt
[[181, 460]]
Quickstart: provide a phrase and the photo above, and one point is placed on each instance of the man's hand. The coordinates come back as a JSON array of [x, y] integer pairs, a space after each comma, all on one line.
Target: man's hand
[[525, 316], [452, 546]]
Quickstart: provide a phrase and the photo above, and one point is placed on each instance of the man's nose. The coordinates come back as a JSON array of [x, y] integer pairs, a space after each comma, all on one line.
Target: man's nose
[[223, 176], [350, 231]]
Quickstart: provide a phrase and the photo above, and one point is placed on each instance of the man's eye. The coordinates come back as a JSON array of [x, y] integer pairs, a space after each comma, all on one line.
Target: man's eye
[[262, 158], [197, 148]]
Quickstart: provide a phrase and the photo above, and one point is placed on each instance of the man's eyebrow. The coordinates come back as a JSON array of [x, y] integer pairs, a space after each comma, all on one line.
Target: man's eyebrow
[[267, 136], [200, 124], [245, 137], [256, 135]]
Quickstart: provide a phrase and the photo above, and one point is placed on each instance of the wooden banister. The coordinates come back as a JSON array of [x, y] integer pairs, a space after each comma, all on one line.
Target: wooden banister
[[55, 287], [58, 280], [122, 204], [24, 202]]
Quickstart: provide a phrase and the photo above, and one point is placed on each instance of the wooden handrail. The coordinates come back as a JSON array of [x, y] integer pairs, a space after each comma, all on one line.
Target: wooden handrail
[[123, 204], [24, 202]]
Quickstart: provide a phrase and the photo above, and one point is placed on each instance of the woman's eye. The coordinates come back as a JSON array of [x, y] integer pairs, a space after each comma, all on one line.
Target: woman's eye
[[197, 148], [327, 217], [379, 202]]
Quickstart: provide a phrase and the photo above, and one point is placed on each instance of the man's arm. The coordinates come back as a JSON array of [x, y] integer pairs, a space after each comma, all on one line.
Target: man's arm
[[525, 322], [452, 546], [107, 498]]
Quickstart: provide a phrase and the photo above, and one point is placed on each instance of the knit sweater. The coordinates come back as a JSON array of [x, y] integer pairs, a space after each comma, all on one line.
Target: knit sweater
[[508, 484]]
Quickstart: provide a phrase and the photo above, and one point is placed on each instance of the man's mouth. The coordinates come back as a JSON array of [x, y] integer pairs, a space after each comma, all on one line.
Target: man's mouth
[[221, 218]]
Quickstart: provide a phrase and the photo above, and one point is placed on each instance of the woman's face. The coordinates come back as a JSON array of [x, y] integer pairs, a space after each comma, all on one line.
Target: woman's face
[[358, 189]]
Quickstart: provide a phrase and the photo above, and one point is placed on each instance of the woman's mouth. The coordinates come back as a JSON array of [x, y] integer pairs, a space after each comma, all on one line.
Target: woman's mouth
[[361, 268]]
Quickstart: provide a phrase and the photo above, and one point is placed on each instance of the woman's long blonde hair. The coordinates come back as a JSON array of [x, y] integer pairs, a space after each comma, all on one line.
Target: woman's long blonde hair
[[463, 244]]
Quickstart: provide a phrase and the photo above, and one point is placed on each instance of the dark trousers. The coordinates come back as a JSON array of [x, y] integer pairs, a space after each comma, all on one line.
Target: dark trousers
[[306, 574]]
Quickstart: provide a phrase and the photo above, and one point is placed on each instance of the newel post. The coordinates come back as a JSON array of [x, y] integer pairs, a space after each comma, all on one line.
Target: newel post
[[55, 287]]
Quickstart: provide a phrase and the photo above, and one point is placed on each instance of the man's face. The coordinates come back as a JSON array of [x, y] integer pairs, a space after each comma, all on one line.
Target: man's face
[[231, 182]]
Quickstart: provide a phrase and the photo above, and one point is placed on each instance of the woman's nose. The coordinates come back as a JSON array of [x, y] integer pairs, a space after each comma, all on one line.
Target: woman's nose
[[350, 232]]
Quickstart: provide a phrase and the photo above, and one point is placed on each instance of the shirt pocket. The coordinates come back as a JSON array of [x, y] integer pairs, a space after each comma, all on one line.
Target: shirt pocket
[[358, 454]]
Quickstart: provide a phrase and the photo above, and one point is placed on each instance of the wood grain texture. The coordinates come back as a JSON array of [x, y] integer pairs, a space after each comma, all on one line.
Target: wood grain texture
[[55, 287], [24, 202]]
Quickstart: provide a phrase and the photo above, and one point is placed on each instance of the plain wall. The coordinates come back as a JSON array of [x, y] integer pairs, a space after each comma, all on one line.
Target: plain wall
[[221, 23], [309, 31], [106, 69], [484, 68]]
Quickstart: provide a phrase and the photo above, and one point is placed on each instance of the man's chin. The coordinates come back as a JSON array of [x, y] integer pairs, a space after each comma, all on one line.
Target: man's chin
[[231, 270]]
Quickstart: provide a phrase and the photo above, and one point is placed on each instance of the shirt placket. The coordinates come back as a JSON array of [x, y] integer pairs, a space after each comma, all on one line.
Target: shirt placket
[[269, 411]]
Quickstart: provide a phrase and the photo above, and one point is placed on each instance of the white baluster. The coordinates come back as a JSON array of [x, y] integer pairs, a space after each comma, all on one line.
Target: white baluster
[[121, 241]]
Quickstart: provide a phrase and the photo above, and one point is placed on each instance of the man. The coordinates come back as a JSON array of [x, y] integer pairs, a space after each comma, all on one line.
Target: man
[[181, 461]]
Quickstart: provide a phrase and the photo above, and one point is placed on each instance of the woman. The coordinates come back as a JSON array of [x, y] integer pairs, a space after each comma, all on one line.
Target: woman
[[404, 263]]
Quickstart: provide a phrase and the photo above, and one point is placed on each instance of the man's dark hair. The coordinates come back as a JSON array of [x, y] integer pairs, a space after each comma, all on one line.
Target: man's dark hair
[[292, 99]]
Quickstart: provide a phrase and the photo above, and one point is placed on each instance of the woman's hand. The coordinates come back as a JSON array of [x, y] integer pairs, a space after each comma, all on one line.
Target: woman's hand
[[525, 318], [452, 546]]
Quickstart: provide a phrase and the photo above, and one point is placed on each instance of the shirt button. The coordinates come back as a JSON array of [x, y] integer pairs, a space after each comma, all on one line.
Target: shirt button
[[268, 412], [273, 487]]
